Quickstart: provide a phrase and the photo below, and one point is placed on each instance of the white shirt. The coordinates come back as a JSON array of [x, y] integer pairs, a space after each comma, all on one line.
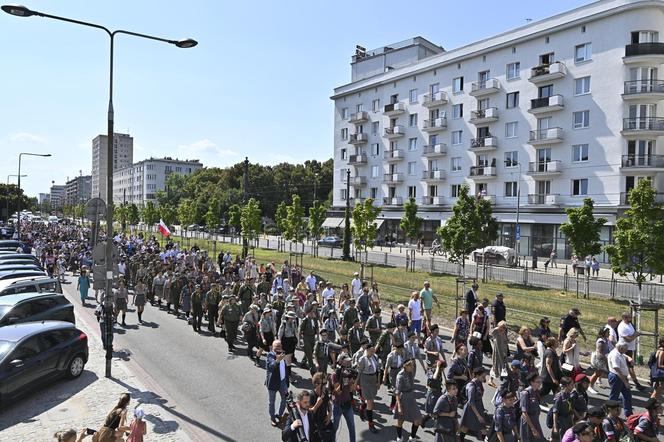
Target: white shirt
[[416, 309], [356, 286], [305, 422], [282, 370], [311, 283], [613, 337], [617, 363], [327, 293], [624, 330]]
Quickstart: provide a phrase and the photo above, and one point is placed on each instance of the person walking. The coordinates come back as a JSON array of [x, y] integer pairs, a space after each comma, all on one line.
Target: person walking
[[406, 409], [343, 384], [140, 291], [504, 425], [473, 416], [530, 429], [598, 359], [500, 351], [212, 298], [415, 312], [185, 298], [368, 370], [276, 381], [435, 380], [445, 411], [618, 377], [231, 315], [197, 302], [158, 287], [250, 331], [120, 301], [307, 332], [472, 298], [428, 298], [138, 428], [498, 310], [628, 335], [115, 422], [83, 285], [550, 372], [267, 330], [562, 409]]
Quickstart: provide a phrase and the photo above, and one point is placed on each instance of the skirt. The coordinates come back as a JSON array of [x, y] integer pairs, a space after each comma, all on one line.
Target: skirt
[[599, 362], [289, 344], [469, 418], [411, 411], [269, 337], [369, 386], [430, 399], [121, 304], [140, 300]]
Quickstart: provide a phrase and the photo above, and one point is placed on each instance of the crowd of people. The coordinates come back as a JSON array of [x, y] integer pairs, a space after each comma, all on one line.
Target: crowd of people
[[352, 348]]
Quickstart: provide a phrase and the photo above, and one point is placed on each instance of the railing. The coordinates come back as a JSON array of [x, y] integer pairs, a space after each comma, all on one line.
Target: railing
[[434, 123], [635, 49], [392, 201], [358, 138], [546, 134], [393, 177], [357, 159], [480, 141], [644, 86], [433, 174], [394, 130], [439, 96], [433, 149], [490, 112], [557, 67], [541, 198], [393, 154], [644, 123], [546, 101], [490, 83], [544, 166], [482, 171], [659, 197], [643, 161], [358, 116], [432, 200], [358, 180], [393, 107]]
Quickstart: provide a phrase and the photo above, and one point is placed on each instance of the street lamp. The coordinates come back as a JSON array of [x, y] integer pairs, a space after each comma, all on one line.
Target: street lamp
[[22, 11], [7, 200], [18, 207], [517, 227]]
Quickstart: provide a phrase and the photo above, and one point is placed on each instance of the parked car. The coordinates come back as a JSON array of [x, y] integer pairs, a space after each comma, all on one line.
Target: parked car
[[29, 284], [330, 241], [20, 261], [26, 265], [13, 245], [15, 274], [194, 228], [14, 255], [34, 353], [28, 307], [6, 231]]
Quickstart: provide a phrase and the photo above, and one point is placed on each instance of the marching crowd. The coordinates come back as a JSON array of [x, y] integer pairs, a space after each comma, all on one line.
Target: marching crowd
[[352, 349]]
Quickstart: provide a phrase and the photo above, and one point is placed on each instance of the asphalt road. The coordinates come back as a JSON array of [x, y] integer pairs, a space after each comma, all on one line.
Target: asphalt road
[[220, 395]]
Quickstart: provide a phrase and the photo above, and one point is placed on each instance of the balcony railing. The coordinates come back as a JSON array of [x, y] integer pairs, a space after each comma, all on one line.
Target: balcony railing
[[484, 87], [394, 131], [434, 149], [486, 141], [432, 200], [430, 100], [544, 102], [435, 124], [489, 113], [393, 177], [482, 171], [433, 175], [545, 71], [636, 49], [644, 123], [542, 198], [359, 117], [392, 201], [357, 159], [551, 166], [659, 197], [644, 87], [552, 133], [358, 138], [394, 108], [654, 161], [394, 154], [358, 180]]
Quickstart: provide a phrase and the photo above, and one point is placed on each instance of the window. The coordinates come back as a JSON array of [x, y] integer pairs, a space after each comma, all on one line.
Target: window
[[455, 190], [344, 113], [582, 86], [344, 134], [375, 171], [344, 155], [412, 144], [412, 192], [457, 137], [512, 100], [359, 107], [457, 111], [413, 95], [581, 119], [510, 189], [375, 149], [545, 91], [645, 37], [412, 120], [580, 187], [510, 129], [375, 105], [394, 99], [373, 192], [411, 167], [580, 152], [513, 70], [457, 85], [512, 159], [342, 194], [546, 59], [456, 164], [582, 52], [434, 88], [374, 128]]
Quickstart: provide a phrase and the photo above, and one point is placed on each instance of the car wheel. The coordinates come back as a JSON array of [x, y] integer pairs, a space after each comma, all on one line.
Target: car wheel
[[75, 367]]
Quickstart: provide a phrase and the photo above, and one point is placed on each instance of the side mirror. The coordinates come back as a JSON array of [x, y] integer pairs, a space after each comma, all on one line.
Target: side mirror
[[12, 320], [16, 363]]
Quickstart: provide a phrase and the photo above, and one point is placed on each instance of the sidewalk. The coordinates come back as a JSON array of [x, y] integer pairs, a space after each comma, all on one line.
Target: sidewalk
[[85, 402]]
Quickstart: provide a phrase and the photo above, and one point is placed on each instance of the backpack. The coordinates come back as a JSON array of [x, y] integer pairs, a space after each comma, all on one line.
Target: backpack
[[633, 420]]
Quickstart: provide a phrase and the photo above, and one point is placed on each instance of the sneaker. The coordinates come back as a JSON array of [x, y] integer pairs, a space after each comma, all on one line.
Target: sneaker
[[591, 390], [399, 439]]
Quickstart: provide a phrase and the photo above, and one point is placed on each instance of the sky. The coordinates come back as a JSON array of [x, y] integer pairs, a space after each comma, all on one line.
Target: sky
[[257, 85]]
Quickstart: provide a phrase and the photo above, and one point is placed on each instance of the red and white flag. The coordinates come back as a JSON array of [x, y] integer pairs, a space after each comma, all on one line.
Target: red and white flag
[[163, 228]]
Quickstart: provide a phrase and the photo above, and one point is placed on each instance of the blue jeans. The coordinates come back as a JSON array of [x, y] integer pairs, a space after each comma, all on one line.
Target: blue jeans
[[416, 326], [348, 414], [618, 387], [272, 399]]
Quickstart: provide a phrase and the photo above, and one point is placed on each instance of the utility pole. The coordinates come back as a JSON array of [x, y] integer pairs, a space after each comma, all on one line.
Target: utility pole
[[346, 241], [245, 193]]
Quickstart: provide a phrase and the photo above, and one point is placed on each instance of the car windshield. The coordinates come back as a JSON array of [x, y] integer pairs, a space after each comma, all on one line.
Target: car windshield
[[5, 347], [3, 310]]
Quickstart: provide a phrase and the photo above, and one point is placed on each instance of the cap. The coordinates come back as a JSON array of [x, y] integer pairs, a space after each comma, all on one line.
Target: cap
[[292, 289], [575, 310], [139, 413], [516, 363], [580, 427], [280, 288], [596, 412], [291, 315], [267, 310], [254, 307], [356, 274]]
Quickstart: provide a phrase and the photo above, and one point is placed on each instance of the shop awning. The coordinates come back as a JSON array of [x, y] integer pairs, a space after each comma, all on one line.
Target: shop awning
[[332, 223]]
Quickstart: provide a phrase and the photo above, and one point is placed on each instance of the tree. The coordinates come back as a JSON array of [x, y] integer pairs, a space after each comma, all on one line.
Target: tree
[[250, 220], [471, 226], [149, 214], [121, 214], [132, 214], [295, 227], [213, 214], [582, 229], [280, 216], [638, 242], [316, 218], [410, 222], [364, 227], [186, 213], [167, 213], [234, 217]]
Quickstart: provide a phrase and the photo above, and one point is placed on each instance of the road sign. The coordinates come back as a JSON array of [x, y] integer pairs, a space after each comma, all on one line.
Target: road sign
[[95, 209], [99, 254], [518, 232]]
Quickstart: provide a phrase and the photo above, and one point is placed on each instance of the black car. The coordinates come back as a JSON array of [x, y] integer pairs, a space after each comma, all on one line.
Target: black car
[[33, 306], [34, 353], [15, 274], [330, 241]]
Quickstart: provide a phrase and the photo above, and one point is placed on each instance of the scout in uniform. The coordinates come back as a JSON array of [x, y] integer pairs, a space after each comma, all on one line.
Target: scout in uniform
[[445, 411], [350, 316], [504, 421], [231, 316], [250, 330], [355, 336], [308, 331], [212, 306], [395, 361], [433, 346], [322, 353], [374, 326], [384, 343], [530, 429], [473, 416], [245, 294]]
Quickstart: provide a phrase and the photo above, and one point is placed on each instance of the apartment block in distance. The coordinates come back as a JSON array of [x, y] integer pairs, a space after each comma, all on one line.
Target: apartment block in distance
[[78, 190], [138, 182], [123, 156], [539, 117]]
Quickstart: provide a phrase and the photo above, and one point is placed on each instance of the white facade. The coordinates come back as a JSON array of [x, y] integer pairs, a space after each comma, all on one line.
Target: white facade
[[585, 123], [58, 193], [137, 183], [123, 156]]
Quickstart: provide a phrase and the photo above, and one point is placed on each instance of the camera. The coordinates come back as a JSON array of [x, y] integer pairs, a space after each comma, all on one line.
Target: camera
[[349, 373]]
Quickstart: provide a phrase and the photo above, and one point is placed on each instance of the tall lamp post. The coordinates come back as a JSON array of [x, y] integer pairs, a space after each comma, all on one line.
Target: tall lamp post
[[517, 227], [18, 209], [7, 200], [22, 11]]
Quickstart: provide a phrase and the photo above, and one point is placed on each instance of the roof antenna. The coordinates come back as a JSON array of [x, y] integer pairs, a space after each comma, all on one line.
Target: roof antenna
[[528, 20]]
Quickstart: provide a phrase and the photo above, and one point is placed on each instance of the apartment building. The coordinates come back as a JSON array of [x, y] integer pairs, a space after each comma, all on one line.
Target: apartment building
[[123, 156], [78, 190], [138, 182], [537, 118], [57, 196]]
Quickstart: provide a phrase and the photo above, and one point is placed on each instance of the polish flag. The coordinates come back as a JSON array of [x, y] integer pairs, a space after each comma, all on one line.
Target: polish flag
[[163, 228]]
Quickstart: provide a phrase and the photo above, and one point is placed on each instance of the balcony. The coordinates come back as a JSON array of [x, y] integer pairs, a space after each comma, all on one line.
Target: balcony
[[484, 144], [650, 53], [659, 197], [394, 155], [393, 109], [551, 135], [435, 125], [545, 168], [644, 90], [432, 200], [433, 175], [547, 72], [482, 173], [392, 201], [541, 199], [434, 100], [642, 163], [357, 181], [546, 104], [643, 127], [483, 116], [394, 132], [357, 159], [358, 117], [434, 150], [482, 88], [360, 138], [393, 178]]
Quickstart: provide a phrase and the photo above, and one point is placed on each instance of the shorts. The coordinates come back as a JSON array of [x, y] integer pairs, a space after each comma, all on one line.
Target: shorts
[[427, 313], [416, 325], [630, 361]]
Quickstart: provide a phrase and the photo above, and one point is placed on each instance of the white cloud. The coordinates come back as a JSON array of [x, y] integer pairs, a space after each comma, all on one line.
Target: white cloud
[[204, 149], [28, 138]]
